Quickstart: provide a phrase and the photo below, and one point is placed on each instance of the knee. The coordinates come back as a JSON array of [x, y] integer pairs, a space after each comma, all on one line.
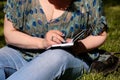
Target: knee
[[59, 56], [4, 51]]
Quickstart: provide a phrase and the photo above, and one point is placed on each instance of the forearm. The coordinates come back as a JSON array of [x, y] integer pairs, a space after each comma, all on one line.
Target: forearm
[[89, 43], [92, 42], [24, 41], [19, 39]]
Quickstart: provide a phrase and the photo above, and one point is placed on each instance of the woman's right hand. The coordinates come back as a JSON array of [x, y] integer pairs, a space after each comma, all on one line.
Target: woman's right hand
[[53, 37]]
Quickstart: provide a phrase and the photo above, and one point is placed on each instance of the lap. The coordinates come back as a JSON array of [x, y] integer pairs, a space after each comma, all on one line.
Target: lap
[[49, 65], [49, 62], [11, 58]]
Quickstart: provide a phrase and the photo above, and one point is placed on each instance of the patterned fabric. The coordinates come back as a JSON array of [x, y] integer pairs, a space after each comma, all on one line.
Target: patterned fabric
[[29, 17]]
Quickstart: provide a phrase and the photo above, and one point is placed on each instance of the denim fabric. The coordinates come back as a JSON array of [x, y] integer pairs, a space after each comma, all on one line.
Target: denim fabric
[[10, 61], [50, 65]]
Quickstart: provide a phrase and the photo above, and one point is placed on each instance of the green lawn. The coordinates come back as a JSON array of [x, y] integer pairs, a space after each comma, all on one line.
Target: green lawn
[[112, 13], [2, 42]]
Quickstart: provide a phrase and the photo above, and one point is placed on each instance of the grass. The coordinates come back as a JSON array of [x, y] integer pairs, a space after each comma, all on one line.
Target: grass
[[2, 42], [112, 44], [113, 17]]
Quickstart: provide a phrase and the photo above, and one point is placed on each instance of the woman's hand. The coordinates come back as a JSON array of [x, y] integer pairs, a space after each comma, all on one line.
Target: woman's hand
[[53, 37]]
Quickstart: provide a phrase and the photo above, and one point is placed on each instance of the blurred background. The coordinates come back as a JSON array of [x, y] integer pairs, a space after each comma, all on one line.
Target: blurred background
[[2, 42]]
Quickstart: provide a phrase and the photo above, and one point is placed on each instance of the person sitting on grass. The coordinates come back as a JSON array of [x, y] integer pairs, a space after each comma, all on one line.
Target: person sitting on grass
[[31, 27]]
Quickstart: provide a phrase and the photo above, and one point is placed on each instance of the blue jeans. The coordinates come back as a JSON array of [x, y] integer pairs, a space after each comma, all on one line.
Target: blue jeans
[[49, 65]]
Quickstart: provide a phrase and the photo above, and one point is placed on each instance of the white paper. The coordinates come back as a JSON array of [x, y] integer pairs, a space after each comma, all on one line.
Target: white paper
[[63, 45]]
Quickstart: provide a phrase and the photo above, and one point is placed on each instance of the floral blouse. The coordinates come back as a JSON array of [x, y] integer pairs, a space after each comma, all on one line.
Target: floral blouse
[[28, 16]]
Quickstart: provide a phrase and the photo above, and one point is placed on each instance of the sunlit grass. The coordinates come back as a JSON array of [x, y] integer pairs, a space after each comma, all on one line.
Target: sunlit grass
[[113, 18], [1, 31], [2, 42], [99, 76]]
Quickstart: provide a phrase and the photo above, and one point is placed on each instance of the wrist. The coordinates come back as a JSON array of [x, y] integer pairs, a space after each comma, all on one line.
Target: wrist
[[44, 44], [41, 43]]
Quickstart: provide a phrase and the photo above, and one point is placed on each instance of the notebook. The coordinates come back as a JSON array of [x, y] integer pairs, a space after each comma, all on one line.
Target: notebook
[[75, 38]]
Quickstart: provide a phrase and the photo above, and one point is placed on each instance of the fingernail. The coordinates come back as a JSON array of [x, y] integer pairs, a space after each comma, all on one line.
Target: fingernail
[[63, 34], [64, 41]]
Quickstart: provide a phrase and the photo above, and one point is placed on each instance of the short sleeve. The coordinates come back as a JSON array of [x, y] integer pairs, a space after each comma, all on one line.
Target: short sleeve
[[97, 21], [13, 10]]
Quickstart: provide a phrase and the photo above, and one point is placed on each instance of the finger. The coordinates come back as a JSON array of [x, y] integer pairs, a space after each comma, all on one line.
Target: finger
[[55, 35], [59, 33], [61, 39], [55, 39], [53, 43], [68, 40]]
